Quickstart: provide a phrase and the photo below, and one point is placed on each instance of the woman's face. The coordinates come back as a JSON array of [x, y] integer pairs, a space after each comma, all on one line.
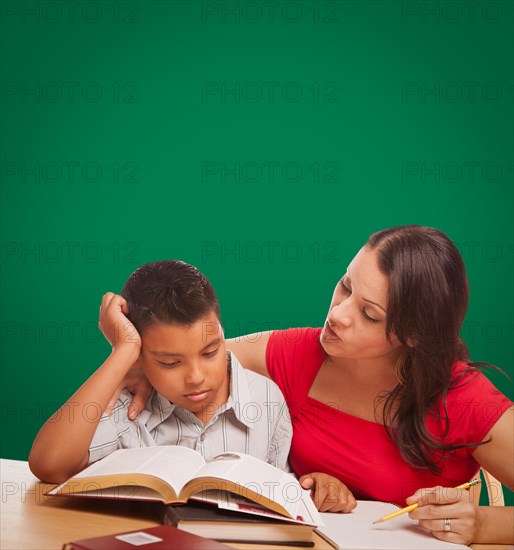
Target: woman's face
[[356, 320]]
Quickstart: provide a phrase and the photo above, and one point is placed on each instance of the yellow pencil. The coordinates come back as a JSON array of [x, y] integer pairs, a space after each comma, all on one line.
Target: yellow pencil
[[414, 506]]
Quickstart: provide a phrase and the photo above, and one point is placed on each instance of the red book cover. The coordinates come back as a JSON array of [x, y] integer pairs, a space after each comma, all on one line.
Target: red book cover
[[153, 538]]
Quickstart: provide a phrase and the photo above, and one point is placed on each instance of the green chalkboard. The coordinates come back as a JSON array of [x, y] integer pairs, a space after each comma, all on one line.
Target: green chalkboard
[[262, 142]]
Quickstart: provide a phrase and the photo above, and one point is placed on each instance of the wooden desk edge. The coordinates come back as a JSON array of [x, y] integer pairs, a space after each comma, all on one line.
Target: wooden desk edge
[[25, 510]]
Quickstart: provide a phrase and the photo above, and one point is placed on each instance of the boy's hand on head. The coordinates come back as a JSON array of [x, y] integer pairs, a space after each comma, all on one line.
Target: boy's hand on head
[[328, 493], [115, 326], [122, 334]]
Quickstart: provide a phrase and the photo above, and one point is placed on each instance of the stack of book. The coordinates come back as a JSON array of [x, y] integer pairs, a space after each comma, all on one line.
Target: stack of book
[[237, 497], [216, 523]]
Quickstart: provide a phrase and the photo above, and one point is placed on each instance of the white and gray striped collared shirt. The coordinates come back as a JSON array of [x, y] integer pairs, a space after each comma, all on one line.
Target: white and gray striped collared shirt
[[254, 420]]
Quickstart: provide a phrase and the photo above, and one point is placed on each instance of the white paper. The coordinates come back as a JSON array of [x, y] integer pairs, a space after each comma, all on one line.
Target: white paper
[[138, 539], [356, 530]]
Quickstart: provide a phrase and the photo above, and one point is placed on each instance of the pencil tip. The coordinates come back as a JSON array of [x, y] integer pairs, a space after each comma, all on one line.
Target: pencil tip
[[378, 521]]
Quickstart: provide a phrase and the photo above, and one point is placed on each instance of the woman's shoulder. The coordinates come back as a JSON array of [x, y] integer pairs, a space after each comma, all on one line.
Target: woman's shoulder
[[467, 377], [472, 405], [297, 345], [473, 394], [292, 357]]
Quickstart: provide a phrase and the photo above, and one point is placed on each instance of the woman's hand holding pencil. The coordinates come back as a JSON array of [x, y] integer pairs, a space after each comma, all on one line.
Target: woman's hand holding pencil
[[448, 513], [415, 505]]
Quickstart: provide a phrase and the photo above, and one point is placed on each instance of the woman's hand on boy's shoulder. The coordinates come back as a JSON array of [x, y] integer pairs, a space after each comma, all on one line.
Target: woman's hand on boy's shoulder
[[115, 326], [137, 383]]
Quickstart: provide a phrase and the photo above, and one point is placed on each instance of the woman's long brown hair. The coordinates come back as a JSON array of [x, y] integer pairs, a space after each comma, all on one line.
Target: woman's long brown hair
[[427, 301]]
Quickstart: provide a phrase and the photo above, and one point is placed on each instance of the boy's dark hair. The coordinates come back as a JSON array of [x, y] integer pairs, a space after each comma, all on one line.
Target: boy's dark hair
[[168, 292]]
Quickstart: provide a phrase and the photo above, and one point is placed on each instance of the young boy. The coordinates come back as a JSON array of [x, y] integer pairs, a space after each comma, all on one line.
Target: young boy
[[167, 322]]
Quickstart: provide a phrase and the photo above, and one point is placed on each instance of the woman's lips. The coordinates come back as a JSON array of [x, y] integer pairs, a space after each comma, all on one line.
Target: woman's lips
[[329, 333], [197, 396]]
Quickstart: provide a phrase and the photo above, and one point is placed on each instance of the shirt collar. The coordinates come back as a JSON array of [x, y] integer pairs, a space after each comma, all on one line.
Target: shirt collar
[[239, 397], [158, 408]]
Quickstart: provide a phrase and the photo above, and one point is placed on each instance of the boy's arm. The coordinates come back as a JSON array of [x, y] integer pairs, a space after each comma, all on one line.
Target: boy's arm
[[60, 449]]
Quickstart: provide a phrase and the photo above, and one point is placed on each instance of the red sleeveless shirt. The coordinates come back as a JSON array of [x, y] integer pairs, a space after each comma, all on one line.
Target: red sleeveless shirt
[[359, 452]]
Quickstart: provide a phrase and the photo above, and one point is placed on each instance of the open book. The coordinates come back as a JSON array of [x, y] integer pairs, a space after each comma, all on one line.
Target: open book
[[173, 474]]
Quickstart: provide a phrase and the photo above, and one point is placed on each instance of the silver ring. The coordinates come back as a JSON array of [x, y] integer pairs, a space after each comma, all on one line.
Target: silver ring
[[447, 525]]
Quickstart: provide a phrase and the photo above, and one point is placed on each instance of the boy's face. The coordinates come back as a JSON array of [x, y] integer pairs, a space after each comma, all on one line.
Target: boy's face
[[188, 364]]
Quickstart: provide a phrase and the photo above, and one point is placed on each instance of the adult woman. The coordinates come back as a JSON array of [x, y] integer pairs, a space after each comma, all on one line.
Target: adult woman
[[385, 392]]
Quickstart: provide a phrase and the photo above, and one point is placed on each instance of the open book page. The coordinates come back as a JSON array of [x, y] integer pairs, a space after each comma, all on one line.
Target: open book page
[[356, 530], [253, 475], [307, 512], [175, 465]]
